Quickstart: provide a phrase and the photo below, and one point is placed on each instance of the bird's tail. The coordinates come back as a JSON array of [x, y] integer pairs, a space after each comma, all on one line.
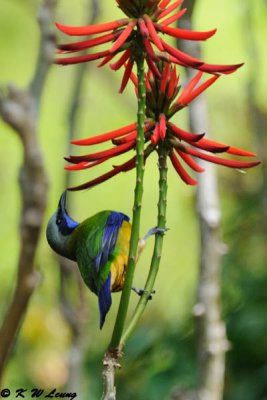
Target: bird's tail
[[104, 300]]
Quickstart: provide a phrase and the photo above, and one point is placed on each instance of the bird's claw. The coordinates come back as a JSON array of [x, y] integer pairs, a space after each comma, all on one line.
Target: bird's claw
[[154, 231], [140, 292]]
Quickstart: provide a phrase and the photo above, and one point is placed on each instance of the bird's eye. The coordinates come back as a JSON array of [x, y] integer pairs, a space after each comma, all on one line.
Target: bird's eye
[[58, 221]]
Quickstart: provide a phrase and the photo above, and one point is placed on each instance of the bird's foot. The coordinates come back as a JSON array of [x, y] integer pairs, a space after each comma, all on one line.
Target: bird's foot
[[154, 231], [140, 292]]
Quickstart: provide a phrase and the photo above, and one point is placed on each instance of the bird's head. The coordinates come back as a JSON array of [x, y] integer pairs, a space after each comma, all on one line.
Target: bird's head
[[60, 227]]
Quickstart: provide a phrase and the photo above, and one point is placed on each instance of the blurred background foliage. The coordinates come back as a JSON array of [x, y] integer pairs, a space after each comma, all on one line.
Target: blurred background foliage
[[160, 357]]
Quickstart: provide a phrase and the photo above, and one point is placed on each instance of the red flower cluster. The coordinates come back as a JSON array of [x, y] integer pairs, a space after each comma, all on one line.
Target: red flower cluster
[[161, 104], [142, 30]]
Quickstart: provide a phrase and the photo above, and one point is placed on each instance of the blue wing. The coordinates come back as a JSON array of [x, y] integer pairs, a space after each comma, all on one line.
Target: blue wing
[[109, 239], [104, 300]]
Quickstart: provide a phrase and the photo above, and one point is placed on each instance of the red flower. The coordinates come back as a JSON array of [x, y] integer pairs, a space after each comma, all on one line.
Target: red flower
[[161, 104], [147, 21]]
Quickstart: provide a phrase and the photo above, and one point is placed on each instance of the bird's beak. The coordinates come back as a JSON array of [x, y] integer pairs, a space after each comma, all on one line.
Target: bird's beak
[[62, 201]]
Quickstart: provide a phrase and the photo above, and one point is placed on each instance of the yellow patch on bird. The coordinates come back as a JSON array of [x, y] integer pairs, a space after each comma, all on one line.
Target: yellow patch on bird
[[121, 252]]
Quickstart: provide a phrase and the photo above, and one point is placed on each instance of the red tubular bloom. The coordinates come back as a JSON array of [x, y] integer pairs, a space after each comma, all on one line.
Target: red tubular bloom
[[125, 139], [175, 137], [181, 171], [148, 86], [150, 52], [169, 9], [172, 84], [106, 154], [153, 67], [240, 152], [146, 23], [181, 56], [127, 166], [117, 65], [156, 135], [105, 136], [81, 59], [184, 135], [187, 97], [83, 164], [133, 135], [164, 4], [190, 161], [222, 161], [91, 29], [221, 69], [211, 146], [106, 60], [185, 34], [123, 37], [173, 18], [153, 33], [127, 74], [190, 86], [143, 28], [162, 104], [85, 44], [151, 19], [165, 78], [162, 126]]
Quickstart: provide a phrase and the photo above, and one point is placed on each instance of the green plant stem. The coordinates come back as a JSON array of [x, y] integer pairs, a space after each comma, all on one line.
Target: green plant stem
[[125, 297], [155, 262]]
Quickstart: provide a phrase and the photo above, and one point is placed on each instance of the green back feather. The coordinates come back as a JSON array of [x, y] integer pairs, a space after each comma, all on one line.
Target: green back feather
[[87, 239]]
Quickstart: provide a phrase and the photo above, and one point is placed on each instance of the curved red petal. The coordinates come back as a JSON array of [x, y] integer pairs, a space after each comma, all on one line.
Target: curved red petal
[[150, 52], [181, 56], [143, 28], [165, 78], [118, 64], [81, 59], [106, 60], [83, 165], [164, 4], [105, 136], [125, 139], [210, 145], [153, 68], [153, 33], [184, 135], [169, 9], [172, 84], [181, 171], [240, 152], [190, 161], [162, 126], [156, 135], [115, 171], [222, 69], [222, 161], [113, 152], [85, 44], [126, 75], [185, 34], [91, 29], [173, 18], [184, 99], [123, 36], [134, 79], [189, 87]]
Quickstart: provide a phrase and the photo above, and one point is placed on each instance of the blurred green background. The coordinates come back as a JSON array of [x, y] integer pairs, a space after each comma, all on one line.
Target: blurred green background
[[161, 354]]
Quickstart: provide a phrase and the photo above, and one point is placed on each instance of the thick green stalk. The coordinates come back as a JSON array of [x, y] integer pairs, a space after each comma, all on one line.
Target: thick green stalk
[[155, 262], [125, 297]]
